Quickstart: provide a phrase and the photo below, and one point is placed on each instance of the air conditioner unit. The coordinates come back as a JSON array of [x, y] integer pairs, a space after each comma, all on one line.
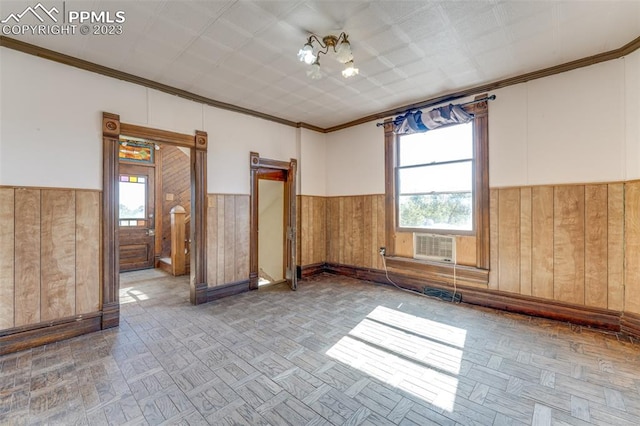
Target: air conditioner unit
[[441, 248]]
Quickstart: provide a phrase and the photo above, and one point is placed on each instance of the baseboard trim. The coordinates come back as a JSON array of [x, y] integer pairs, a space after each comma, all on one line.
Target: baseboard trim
[[630, 324], [110, 315], [582, 315], [305, 271], [218, 292], [26, 337]]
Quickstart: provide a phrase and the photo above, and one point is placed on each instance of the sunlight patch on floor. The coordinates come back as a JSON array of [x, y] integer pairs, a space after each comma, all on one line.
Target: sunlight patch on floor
[[413, 354], [129, 295]]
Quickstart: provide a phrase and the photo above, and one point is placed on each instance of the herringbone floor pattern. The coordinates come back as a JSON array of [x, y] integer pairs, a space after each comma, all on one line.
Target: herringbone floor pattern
[[336, 352]]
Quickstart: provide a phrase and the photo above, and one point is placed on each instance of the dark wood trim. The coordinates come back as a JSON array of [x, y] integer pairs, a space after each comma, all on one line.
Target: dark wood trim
[[112, 128], [306, 271], [480, 190], [628, 48], [110, 241], [25, 337], [198, 294], [390, 209], [110, 314], [511, 302], [220, 291], [51, 55], [630, 324], [157, 135], [481, 180], [440, 272], [198, 258], [264, 167]]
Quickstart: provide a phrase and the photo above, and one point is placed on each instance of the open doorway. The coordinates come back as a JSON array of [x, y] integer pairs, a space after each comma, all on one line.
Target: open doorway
[[271, 229], [154, 206], [273, 182]]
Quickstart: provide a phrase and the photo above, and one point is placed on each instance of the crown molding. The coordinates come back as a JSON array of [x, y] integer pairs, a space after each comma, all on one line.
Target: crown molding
[[41, 52], [545, 72], [52, 55]]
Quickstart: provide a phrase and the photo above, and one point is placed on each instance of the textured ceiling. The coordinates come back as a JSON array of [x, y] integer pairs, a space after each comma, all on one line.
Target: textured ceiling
[[244, 52]]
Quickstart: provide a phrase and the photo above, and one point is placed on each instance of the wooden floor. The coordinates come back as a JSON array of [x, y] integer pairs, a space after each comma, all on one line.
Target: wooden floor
[[338, 351]]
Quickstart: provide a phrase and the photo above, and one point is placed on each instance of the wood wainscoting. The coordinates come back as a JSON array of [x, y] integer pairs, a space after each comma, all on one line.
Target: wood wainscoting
[[227, 240], [562, 243], [50, 263]]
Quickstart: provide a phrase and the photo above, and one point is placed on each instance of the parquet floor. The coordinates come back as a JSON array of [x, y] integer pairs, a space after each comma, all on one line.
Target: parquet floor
[[336, 352]]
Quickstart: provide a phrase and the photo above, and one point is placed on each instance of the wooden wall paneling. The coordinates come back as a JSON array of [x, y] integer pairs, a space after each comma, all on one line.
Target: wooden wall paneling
[[319, 212], [525, 241], [339, 237], [299, 228], [542, 246], [88, 280], [333, 223], [615, 248], [347, 230], [368, 239], [380, 229], [404, 244], [595, 245], [58, 251], [27, 256], [632, 247], [229, 238], [212, 239], [221, 239], [568, 244], [494, 196], [357, 232], [466, 250], [241, 256], [7, 258], [509, 240], [306, 230]]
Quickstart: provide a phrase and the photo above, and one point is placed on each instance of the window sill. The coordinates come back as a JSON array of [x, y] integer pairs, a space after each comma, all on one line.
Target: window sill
[[438, 271]]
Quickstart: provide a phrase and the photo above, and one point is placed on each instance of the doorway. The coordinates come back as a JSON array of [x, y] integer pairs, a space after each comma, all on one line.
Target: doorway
[[136, 218], [283, 174], [271, 226]]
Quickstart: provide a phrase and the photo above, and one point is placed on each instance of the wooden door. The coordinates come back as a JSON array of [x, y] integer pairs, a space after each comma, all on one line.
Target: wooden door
[[136, 216]]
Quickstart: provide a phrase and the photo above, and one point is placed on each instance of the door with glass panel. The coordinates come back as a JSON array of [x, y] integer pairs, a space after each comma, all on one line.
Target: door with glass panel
[[136, 217]]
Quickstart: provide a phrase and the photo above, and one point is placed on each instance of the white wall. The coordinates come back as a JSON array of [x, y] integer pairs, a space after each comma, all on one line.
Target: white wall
[[567, 128], [50, 127], [355, 160], [313, 164], [232, 137]]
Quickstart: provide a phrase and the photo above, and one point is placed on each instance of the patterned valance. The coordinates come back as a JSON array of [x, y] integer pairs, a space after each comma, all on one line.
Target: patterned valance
[[419, 122]]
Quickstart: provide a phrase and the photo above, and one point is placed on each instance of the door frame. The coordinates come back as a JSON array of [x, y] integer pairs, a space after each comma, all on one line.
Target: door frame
[[265, 166], [112, 128]]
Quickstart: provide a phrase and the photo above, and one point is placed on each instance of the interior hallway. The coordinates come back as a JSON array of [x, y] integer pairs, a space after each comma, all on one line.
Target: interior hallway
[[338, 351]]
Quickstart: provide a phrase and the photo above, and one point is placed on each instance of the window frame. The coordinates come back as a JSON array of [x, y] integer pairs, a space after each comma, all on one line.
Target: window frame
[[397, 195], [480, 190]]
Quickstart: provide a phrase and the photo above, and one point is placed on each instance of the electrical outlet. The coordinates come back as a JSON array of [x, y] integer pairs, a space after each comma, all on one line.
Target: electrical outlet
[[383, 251]]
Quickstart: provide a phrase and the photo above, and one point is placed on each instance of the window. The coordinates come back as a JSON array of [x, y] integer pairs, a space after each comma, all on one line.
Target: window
[[133, 200], [438, 181], [434, 175]]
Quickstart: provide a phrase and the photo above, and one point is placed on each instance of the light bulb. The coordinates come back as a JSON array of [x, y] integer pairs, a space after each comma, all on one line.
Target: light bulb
[[350, 70], [343, 54], [314, 72], [306, 54]]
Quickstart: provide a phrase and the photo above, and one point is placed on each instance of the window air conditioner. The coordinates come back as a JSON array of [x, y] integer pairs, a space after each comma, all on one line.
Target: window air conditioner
[[441, 248]]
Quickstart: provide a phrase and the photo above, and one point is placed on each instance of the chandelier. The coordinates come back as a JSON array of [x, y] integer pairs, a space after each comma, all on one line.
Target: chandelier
[[340, 46]]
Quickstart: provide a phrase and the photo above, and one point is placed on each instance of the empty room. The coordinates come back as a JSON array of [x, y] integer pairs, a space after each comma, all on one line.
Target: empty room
[[297, 212]]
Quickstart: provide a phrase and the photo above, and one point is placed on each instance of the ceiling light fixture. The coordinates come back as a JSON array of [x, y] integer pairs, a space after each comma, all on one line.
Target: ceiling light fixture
[[340, 46]]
